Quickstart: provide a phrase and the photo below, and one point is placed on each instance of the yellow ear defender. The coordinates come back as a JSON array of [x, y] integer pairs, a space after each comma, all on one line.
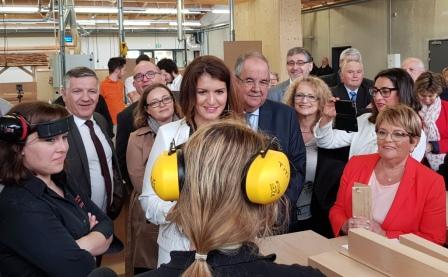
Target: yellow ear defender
[[265, 180], [168, 173]]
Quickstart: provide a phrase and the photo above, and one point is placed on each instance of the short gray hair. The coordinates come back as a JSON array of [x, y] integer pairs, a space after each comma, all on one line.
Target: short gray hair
[[241, 59], [300, 50], [350, 54], [79, 72]]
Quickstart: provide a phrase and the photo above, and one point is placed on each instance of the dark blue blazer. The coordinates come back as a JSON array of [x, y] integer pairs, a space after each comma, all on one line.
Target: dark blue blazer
[[280, 120]]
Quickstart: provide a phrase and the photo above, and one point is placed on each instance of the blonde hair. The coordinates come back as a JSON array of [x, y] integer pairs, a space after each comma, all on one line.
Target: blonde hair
[[401, 116], [213, 210], [319, 87]]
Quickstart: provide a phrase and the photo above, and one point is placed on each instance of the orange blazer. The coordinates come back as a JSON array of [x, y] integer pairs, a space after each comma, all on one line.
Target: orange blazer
[[419, 206]]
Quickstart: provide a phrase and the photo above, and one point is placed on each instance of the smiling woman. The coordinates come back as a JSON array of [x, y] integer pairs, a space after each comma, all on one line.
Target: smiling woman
[[206, 95], [307, 95], [392, 87], [407, 197], [68, 230], [156, 108]]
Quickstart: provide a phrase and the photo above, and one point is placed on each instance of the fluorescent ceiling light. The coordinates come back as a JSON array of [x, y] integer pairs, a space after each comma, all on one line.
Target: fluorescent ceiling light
[[18, 9], [96, 10], [169, 11], [220, 11], [187, 23]]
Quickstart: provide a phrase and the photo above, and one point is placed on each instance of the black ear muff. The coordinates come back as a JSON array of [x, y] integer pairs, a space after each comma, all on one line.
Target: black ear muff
[[267, 177], [14, 128], [168, 174]]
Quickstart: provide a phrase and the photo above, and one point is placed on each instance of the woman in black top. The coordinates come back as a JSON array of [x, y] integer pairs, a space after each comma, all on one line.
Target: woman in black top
[[47, 228], [214, 210]]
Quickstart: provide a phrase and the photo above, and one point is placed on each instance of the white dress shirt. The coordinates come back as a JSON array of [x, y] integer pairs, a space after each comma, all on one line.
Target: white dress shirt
[[98, 188]]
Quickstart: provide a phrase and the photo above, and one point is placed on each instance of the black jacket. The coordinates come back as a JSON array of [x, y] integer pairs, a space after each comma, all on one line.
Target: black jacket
[[246, 262], [38, 229]]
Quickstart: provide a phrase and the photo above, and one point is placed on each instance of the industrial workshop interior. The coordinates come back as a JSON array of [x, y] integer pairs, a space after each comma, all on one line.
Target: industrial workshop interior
[[332, 228]]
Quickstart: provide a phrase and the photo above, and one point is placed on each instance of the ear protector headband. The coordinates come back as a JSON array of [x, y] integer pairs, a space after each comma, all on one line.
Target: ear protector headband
[[15, 128], [264, 181]]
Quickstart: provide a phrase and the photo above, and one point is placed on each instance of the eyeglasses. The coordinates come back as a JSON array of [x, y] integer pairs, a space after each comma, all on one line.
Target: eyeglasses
[[301, 97], [149, 75], [384, 91], [156, 103], [395, 135], [299, 63], [249, 82]]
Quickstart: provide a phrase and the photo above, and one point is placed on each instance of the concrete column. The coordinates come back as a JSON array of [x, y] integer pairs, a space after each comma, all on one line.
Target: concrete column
[[277, 23]]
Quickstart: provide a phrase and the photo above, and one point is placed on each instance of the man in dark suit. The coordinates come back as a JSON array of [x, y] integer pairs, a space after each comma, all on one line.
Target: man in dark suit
[[145, 74], [349, 54], [299, 62], [98, 177], [272, 118], [352, 87]]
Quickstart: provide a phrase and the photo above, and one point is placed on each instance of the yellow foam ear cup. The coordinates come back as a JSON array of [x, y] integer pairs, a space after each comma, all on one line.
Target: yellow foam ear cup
[[165, 177], [267, 177]]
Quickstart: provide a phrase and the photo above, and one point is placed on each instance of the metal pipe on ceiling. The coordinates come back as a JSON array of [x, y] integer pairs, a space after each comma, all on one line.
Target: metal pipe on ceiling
[[121, 27], [61, 41], [180, 31], [232, 22]]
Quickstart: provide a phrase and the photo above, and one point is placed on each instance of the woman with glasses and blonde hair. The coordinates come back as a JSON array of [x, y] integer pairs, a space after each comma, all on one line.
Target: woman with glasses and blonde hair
[[156, 108], [407, 197], [206, 95], [392, 87], [434, 114], [215, 213], [307, 95]]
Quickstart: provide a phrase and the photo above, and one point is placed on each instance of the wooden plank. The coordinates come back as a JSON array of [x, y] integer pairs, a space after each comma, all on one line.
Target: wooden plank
[[362, 201], [295, 248], [334, 264], [392, 258], [425, 246], [24, 59]]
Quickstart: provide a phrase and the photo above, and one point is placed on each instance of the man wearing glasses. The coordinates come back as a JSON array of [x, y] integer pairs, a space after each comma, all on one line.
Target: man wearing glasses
[[299, 62], [145, 74], [272, 118]]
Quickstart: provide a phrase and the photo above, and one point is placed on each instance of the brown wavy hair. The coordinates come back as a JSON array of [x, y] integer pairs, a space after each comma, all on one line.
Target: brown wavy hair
[[216, 68]]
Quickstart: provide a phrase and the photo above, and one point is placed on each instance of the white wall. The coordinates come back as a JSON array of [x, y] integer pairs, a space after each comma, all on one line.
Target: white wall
[[102, 47], [363, 26], [366, 26], [214, 41]]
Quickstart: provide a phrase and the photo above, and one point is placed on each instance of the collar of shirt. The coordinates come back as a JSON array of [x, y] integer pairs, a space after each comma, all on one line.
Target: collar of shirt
[[79, 121], [348, 90], [37, 187]]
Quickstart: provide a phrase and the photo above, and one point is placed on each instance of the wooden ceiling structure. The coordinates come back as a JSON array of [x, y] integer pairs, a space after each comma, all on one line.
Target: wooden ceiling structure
[[158, 14]]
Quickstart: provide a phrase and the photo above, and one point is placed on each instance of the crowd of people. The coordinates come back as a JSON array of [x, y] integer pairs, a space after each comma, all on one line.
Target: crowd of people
[[67, 169]]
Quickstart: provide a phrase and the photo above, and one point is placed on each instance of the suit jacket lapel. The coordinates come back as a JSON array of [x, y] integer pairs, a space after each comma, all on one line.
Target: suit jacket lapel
[[405, 187], [78, 145], [265, 117]]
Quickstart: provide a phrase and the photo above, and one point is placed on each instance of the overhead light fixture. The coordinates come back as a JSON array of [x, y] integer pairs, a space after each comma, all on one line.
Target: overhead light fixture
[[95, 10], [186, 23], [220, 11], [18, 9], [169, 11]]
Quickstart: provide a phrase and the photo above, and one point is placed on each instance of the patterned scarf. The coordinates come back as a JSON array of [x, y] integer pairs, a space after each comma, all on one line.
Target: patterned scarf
[[430, 114], [154, 125]]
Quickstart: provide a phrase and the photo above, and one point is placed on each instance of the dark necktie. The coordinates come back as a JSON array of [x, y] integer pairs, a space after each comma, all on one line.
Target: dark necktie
[[103, 161]]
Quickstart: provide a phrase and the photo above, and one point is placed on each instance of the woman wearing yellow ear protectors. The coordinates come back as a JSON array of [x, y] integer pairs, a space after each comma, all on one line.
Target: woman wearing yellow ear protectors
[[219, 210], [206, 95]]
